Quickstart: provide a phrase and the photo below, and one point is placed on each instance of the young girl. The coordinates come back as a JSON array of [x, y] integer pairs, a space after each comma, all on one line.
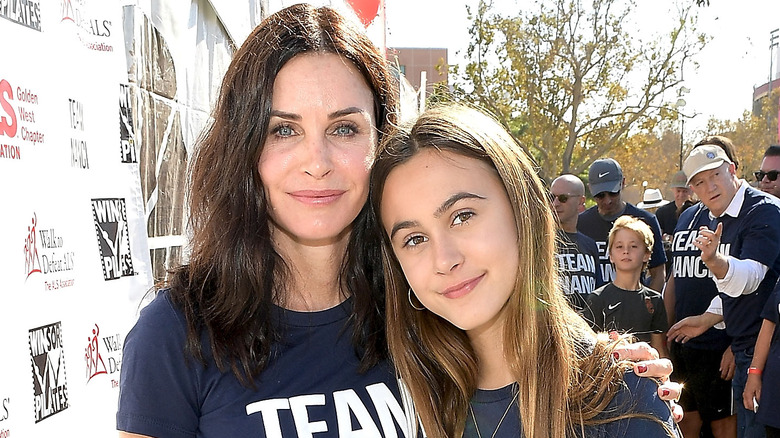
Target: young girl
[[477, 326], [762, 390], [625, 304]]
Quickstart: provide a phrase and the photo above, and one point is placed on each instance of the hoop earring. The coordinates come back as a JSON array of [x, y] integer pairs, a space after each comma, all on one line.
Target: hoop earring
[[409, 295]]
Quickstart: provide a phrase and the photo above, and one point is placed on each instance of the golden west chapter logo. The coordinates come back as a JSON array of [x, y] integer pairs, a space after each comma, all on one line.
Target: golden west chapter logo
[[17, 119], [50, 388], [110, 216]]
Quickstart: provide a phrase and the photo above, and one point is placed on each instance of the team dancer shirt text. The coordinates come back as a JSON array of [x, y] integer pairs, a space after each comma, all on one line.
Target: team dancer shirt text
[[593, 225], [311, 387]]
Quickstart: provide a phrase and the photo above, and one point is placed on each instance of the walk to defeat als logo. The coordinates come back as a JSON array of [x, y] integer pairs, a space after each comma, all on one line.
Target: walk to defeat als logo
[[47, 355], [45, 253], [103, 356], [110, 216]]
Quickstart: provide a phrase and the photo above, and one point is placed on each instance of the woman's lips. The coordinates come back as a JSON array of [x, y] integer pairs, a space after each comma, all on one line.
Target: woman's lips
[[317, 196]]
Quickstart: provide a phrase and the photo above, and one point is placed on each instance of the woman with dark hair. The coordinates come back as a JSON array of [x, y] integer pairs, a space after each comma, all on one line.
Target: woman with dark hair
[[276, 326], [477, 325]]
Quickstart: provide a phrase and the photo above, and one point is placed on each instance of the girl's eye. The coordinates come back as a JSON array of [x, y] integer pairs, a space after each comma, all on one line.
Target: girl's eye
[[414, 240], [345, 129], [462, 217]]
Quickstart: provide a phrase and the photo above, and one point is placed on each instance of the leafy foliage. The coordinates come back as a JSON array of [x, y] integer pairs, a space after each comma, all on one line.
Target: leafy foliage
[[569, 81]]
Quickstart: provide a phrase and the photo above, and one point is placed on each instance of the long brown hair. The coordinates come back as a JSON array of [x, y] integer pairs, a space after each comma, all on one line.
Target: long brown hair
[[566, 375], [235, 275]]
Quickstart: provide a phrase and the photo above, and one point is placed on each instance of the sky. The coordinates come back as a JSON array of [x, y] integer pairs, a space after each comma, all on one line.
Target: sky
[[736, 59]]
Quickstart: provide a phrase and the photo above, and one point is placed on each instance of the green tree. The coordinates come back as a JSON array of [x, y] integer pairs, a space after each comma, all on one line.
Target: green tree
[[558, 77]]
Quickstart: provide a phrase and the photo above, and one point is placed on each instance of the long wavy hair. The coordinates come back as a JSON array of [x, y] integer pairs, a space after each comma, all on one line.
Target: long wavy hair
[[235, 275], [566, 373]]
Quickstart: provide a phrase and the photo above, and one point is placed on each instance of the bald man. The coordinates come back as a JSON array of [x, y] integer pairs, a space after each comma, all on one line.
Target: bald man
[[578, 256]]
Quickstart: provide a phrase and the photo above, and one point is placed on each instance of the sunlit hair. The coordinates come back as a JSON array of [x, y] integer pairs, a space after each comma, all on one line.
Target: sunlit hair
[[563, 386], [722, 142], [639, 227], [235, 275]]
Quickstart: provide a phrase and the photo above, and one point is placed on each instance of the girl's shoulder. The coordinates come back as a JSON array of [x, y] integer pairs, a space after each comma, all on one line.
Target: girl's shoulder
[[646, 414]]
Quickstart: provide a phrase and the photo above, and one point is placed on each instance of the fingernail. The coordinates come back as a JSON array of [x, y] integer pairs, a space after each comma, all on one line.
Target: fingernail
[[616, 355], [665, 392], [641, 369]]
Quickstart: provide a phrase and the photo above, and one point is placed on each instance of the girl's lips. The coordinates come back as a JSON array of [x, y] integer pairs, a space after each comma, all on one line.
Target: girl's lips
[[317, 196], [463, 288]]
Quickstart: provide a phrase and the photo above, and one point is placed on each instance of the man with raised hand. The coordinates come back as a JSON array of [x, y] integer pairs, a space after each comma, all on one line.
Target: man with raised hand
[[740, 247]]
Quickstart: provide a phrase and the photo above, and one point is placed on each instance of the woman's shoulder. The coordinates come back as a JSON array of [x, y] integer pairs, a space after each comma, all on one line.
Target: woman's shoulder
[[160, 321]]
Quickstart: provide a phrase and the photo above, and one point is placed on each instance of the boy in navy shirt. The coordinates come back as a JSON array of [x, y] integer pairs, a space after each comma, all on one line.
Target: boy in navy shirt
[[626, 305]]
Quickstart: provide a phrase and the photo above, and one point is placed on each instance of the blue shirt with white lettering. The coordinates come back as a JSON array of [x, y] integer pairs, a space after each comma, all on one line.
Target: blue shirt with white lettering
[[754, 234], [311, 386], [770, 379], [578, 261], [593, 225], [491, 410], [694, 287]]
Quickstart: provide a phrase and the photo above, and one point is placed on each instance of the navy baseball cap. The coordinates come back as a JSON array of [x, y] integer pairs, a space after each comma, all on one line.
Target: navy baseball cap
[[605, 175]]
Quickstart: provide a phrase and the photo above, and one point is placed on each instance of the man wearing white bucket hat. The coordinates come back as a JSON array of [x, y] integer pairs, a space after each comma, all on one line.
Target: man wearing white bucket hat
[[739, 245], [651, 200]]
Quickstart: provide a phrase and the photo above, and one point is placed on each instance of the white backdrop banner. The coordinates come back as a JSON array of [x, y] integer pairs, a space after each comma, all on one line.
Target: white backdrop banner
[[74, 261]]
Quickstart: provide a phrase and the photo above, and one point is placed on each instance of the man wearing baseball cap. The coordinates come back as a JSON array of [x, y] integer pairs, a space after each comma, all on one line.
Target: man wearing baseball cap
[[606, 181], [738, 242]]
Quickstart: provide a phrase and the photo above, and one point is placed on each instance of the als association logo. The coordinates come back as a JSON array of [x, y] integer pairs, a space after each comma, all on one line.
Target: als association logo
[[14, 136], [93, 31], [45, 253], [24, 12], [47, 355], [110, 216], [103, 356], [126, 131]]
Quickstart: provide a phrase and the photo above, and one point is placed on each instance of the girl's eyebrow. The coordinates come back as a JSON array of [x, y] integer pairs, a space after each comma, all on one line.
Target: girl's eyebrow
[[449, 202], [452, 200]]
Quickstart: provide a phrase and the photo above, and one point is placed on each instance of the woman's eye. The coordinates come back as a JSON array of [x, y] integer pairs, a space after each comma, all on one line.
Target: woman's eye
[[414, 240], [283, 131], [462, 217], [345, 129]]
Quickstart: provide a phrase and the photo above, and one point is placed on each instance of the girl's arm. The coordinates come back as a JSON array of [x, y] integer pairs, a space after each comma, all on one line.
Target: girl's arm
[[753, 386]]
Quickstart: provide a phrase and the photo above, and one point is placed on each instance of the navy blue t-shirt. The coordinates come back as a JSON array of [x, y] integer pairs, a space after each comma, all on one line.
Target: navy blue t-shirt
[[754, 235], [578, 261], [637, 395], [770, 379], [311, 386], [591, 224], [694, 287]]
